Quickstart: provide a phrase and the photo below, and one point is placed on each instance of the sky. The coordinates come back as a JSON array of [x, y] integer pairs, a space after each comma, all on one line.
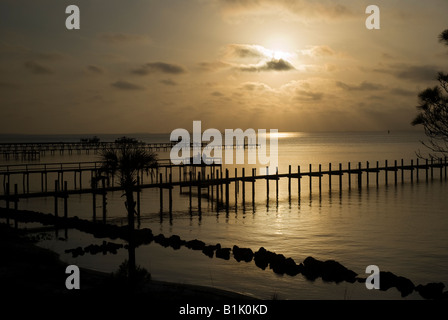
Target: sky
[[152, 66]]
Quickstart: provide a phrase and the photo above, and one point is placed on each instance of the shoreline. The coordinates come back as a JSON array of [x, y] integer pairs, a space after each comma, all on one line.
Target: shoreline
[[29, 270]]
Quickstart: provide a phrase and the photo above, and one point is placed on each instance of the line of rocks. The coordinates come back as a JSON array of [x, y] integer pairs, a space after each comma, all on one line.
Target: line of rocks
[[310, 268], [105, 248]]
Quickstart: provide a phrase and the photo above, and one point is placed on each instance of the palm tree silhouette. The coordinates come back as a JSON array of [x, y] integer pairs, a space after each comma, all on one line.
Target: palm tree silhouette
[[126, 160]]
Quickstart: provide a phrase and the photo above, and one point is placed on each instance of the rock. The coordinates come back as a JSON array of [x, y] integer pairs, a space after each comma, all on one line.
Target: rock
[[175, 242], [223, 253], [333, 271], [277, 263], [291, 268], [261, 258], [195, 244], [311, 268], [431, 290], [160, 239], [330, 271], [404, 285], [387, 280], [241, 254]]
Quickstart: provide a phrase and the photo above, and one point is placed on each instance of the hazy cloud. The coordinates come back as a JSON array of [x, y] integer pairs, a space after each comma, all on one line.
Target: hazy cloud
[[255, 86], [36, 68], [410, 72], [317, 51], [121, 38], [306, 9], [305, 95], [26, 53], [125, 85], [95, 69], [168, 82], [272, 65], [159, 67], [213, 66], [246, 51], [364, 86]]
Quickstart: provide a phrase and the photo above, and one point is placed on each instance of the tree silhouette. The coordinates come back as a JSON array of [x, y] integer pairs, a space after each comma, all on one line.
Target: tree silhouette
[[126, 160], [433, 111]]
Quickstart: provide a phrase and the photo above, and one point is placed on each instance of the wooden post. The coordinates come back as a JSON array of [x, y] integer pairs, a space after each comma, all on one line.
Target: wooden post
[[367, 171], [74, 179], [377, 173], [16, 197], [222, 187], [16, 206], [329, 176], [7, 193], [432, 168], [426, 170], [289, 183], [138, 197], [412, 170], [396, 172], [340, 177], [161, 192], [170, 195], [299, 178], [386, 171], [253, 187], [94, 202], [189, 189], [267, 183], [199, 192], [244, 187], [80, 179], [311, 187], [402, 171], [320, 178], [276, 183], [65, 200], [104, 200], [349, 176], [359, 176], [227, 189], [56, 187], [236, 186]]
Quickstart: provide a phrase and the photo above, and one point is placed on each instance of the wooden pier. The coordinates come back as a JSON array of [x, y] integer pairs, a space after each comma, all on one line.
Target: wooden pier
[[33, 151], [213, 182]]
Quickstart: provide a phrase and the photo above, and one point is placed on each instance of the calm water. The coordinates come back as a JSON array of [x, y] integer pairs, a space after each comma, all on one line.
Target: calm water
[[401, 228]]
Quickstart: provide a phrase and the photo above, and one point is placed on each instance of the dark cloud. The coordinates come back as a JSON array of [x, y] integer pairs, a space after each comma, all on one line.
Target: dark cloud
[[245, 51], [213, 66], [255, 86], [95, 69], [168, 82], [217, 94], [304, 95], [272, 65], [36, 68], [410, 72], [125, 85], [159, 67], [364, 86], [120, 38], [403, 92]]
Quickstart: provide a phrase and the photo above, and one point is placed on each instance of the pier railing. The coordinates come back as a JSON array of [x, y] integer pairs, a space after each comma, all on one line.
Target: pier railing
[[216, 180]]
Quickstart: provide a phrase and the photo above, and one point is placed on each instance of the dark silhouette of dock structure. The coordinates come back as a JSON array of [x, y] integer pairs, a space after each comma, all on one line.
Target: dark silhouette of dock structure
[[211, 182], [33, 151]]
